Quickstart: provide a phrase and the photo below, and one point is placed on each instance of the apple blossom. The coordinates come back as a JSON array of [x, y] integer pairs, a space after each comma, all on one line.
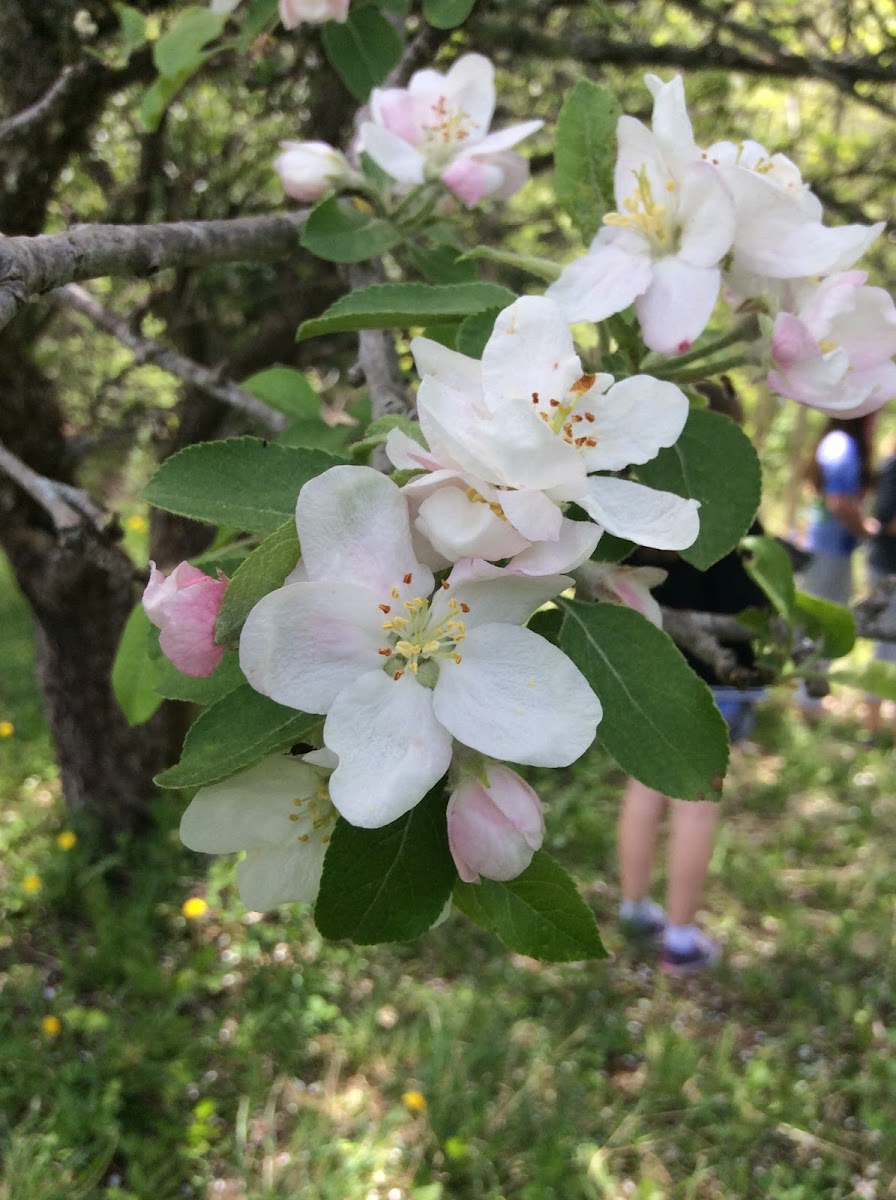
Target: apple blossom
[[662, 249], [437, 128], [630, 586], [184, 606], [531, 424], [308, 170], [836, 352], [401, 665], [279, 812], [494, 826], [314, 12], [778, 231]]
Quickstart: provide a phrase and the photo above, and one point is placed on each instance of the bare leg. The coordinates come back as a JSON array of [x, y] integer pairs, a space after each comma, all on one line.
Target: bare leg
[[691, 835], [639, 822]]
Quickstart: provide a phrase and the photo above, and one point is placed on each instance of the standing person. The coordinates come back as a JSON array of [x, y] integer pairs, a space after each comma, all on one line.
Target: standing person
[[881, 563], [724, 588], [841, 474]]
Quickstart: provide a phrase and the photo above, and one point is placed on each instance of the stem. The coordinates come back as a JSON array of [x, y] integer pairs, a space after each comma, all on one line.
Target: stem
[[699, 352], [703, 371]]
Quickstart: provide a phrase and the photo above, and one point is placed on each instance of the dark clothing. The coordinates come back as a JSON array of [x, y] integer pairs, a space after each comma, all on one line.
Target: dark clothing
[[724, 588], [882, 547]]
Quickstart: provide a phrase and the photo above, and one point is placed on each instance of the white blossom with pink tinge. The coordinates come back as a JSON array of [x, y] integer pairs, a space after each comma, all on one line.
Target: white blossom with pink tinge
[[437, 128], [314, 12], [185, 606], [836, 351], [402, 666], [532, 427], [308, 170], [662, 249], [630, 586], [494, 826]]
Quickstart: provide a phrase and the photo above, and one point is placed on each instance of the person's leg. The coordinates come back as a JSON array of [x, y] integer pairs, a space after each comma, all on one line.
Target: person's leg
[[639, 822], [691, 836]]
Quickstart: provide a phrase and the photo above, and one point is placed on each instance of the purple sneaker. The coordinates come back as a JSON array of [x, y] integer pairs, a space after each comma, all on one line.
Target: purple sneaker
[[644, 926], [704, 953]]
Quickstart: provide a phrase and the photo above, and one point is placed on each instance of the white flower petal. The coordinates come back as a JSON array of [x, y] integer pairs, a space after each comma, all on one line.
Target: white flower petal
[[302, 644], [671, 124], [458, 527], [251, 808], [574, 546], [503, 139], [470, 85], [638, 157], [536, 516], [676, 308], [495, 594], [392, 154], [406, 454], [354, 526], [281, 875], [518, 698], [642, 514], [391, 748], [633, 421], [530, 352], [604, 281], [457, 371], [707, 214]]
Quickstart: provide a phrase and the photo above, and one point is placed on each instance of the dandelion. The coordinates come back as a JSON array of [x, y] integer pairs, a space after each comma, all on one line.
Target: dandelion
[[194, 908], [32, 883], [414, 1101], [7, 729], [66, 839], [137, 524], [51, 1026]]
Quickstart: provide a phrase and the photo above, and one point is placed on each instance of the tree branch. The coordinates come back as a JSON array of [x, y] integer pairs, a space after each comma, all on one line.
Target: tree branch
[[32, 266], [24, 122], [67, 507], [146, 350]]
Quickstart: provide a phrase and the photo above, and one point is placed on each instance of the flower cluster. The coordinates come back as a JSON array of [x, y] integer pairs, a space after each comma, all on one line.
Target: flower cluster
[[732, 219], [435, 130]]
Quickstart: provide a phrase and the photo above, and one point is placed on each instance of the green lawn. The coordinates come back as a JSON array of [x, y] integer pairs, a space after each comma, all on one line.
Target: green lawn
[[229, 1058]]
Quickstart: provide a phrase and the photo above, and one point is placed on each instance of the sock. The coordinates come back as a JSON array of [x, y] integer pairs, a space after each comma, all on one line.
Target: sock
[[680, 938], [641, 911]]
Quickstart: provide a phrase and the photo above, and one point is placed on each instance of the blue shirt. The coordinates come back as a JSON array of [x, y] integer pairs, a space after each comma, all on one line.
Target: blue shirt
[[841, 473]]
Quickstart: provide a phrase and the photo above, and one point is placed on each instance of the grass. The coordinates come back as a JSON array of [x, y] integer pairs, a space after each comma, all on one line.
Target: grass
[[226, 1057]]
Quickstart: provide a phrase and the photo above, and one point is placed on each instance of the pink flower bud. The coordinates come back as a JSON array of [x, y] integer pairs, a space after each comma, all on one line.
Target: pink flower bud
[[315, 12], [185, 607], [308, 170], [494, 830]]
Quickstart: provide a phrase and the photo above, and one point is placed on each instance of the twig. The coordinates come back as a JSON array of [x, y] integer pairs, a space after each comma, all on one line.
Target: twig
[[32, 266], [146, 350], [23, 122], [66, 506]]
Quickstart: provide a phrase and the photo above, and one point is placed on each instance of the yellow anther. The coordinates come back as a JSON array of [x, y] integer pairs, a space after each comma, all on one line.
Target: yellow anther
[[405, 648], [456, 657], [430, 647], [304, 837], [388, 625], [395, 593], [670, 185], [414, 667], [293, 816]]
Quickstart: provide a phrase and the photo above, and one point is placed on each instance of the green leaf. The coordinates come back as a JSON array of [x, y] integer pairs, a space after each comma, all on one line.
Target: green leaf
[[612, 549], [378, 431], [387, 884], [264, 569], [242, 482], [403, 305], [338, 231], [447, 14], [260, 15], [830, 623], [318, 435], [768, 564], [540, 913], [584, 155], [133, 27], [133, 675], [179, 49], [158, 96], [659, 722], [286, 390], [547, 623], [442, 264], [362, 50], [474, 332], [544, 269], [234, 733], [173, 685], [876, 678], [714, 462]]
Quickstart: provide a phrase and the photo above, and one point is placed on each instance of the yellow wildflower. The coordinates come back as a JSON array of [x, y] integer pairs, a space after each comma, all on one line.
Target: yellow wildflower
[[137, 524], [415, 1101], [32, 883], [66, 839], [7, 729], [194, 907], [51, 1026]]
